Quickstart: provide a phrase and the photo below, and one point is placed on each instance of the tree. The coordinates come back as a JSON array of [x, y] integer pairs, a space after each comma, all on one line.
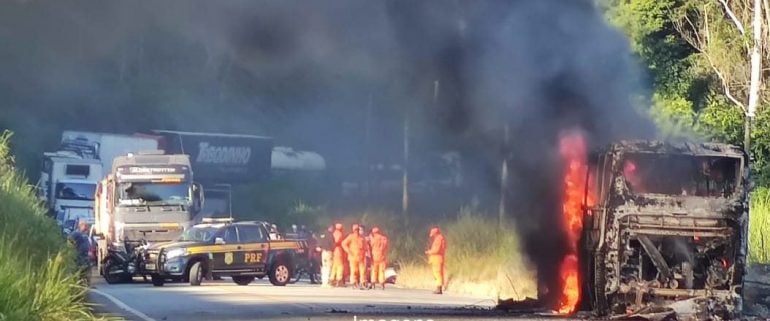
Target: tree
[[698, 54], [717, 30]]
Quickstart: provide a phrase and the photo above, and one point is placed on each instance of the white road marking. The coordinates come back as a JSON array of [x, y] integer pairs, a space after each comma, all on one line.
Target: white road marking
[[123, 306]]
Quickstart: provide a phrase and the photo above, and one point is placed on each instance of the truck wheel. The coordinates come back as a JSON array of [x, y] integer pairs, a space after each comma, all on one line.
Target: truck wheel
[[158, 280], [601, 301], [242, 280], [196, 274], [113, 272], [280, 274]]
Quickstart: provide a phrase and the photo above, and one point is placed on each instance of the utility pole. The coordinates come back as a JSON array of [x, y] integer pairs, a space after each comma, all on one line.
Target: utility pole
[[436, 88], [367, 152], [503, 177], [405, 168]]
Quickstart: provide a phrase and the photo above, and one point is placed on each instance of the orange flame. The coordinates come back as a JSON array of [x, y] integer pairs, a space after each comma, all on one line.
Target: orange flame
[[571, 284], [572, 148]]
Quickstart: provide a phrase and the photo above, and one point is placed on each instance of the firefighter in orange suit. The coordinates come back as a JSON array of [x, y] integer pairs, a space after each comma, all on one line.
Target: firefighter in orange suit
[[436, 255], [355, 247], [338, 256], [379, 246]]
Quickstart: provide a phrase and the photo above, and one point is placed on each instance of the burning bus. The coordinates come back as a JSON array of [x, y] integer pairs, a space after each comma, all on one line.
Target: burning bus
[[661, 222]]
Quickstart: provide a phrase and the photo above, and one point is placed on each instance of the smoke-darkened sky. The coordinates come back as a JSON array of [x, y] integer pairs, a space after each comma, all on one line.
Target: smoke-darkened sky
[[311, 73], [304, 72]]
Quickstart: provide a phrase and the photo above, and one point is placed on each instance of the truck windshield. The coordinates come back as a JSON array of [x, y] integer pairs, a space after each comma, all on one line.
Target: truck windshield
[[139, 193], [75, 191], [217, 204], [685, 175], [198, 234]]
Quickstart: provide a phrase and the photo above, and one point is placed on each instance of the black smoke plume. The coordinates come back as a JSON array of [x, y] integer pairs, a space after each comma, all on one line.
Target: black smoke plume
[[542, 68], [311, 73]]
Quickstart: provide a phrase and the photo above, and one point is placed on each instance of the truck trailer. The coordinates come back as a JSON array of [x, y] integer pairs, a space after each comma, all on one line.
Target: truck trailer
[[220, 161]]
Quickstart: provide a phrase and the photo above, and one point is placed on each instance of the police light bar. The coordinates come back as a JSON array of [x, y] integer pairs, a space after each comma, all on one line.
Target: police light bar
[[216, 220]]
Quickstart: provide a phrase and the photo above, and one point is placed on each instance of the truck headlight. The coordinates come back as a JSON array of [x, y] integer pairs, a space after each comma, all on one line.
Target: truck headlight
[[175, 253]]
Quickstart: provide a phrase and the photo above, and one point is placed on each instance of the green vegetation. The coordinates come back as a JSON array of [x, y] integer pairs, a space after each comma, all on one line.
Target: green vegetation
[[696, 53], [759, 227], [38, 279], [483, 258]]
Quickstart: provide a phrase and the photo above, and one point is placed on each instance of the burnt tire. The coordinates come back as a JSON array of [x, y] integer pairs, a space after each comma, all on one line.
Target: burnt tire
[[243, 280], [196, 274], [280, 274], [601, 301], [111, 276], [158, 280]]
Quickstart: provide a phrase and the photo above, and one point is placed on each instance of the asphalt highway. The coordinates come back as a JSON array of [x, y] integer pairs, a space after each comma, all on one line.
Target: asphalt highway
[[224, 300]]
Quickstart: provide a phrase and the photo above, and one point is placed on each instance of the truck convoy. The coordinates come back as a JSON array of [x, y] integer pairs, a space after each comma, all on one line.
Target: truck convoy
[[668, 222], [220, 161], [69, 176], [146, 197]]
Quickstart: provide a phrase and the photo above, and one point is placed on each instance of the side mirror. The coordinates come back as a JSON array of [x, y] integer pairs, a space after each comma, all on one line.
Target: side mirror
[[219, 241], [197, 196]]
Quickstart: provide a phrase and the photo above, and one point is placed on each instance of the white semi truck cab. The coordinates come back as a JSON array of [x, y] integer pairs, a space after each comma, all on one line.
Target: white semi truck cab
[[67, 186]]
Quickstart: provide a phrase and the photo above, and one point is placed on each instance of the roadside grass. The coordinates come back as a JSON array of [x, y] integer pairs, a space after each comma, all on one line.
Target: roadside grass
[[759, 227], [483, 258], [38, 278]]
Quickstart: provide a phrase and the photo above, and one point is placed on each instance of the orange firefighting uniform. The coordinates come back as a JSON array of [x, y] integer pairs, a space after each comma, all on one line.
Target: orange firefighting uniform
[[355, 246], [338, 255], [379, 246], [436, 256]]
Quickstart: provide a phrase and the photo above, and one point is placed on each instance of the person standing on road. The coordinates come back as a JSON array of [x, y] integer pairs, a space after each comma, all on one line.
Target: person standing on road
[[326, 247], [378, 244], [436, 254], [82, 242], [314, 258], [354, 246], [365, 280], [338, 255], [274, 235], [304, 233]]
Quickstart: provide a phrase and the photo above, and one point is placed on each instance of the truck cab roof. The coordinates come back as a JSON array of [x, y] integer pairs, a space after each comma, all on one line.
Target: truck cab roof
[[76, 181], [681, 148], [68, 157]]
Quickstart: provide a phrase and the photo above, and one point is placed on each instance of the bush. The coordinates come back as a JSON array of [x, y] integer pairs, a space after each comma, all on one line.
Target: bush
[[39, 279]]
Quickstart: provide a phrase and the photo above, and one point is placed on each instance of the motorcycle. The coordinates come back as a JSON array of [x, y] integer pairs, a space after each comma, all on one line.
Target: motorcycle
[[311, 268], [122, 262]]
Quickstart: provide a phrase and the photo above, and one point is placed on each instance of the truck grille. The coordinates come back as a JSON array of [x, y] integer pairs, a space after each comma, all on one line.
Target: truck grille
[[151, 256]]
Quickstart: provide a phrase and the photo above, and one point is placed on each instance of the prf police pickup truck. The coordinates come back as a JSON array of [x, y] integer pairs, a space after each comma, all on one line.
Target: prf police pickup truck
[[241, 250]]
